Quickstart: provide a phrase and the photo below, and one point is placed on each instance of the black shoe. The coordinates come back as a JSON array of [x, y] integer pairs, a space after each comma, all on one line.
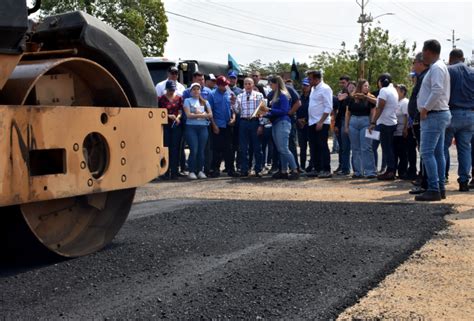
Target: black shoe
[[233, 174], [463, 187], [471, 184], [294, 175], [387, 176], [337, 171], [312, 174], [280, 175], [371, 176], [244, 174], [324, 175], [215, 174], [308, 169], [417, 190], [428, 196], [258, 174], [443, 194], [359, 176]]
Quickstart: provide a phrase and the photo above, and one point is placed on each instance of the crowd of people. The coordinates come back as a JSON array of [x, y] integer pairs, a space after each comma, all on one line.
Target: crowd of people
[[256, 129]]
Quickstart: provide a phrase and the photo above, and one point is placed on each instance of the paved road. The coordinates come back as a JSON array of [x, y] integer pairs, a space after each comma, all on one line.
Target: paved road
[[226, 259]]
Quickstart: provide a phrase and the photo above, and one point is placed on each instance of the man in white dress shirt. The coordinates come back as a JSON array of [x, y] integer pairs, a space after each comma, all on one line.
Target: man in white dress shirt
[[172, 75], [319, 120]]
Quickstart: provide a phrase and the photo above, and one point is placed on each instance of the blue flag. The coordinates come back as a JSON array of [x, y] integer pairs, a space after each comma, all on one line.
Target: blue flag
[[233, 65]]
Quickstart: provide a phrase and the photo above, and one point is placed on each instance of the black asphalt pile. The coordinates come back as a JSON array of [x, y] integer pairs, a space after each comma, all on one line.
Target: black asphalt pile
[[229, 259]]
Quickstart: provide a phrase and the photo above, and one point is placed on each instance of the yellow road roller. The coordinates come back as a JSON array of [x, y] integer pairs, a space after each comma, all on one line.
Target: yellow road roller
[[79, 130]]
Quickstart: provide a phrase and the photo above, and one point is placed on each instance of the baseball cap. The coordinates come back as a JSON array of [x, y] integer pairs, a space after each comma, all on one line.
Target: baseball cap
[[232, 74], [212, 77], [305, 82], [172, 68], [222, 81], [170, 85]]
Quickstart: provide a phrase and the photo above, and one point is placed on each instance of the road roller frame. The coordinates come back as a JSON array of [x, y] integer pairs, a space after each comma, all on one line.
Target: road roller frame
[[45, 153]]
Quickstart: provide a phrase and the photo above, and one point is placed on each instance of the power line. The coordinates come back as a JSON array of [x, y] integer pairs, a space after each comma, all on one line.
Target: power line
[[272, 23], [253, 45], [249, 33]]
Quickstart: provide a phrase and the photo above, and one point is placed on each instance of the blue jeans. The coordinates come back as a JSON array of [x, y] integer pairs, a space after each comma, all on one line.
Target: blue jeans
[[386, 140], [172, 138], [344, 150], [196, 136], [362, 155], [433, 130], [248, 134], [462, 129], [281, 133]]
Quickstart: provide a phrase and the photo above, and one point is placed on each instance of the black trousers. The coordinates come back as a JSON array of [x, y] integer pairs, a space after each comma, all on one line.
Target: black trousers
[[424, 177], [411, 149], [400, 149], [222, 150], [319, 149], [303, 142]]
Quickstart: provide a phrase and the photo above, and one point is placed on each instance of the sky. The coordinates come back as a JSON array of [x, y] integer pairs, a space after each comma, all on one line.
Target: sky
[[316, 25]]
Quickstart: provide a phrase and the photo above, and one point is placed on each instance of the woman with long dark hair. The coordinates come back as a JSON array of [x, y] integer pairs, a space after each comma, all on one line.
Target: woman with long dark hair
[[359, 110]]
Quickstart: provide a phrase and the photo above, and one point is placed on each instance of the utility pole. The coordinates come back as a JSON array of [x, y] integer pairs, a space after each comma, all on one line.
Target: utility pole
[[363, 19], [453, 40]]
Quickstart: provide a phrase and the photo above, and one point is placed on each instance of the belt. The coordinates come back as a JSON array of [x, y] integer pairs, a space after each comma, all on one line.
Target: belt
[[436, 111], [461, 108], [248, 118]]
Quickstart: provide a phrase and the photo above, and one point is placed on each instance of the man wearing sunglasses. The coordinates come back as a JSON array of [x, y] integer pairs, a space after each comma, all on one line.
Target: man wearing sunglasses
[[173, 76]]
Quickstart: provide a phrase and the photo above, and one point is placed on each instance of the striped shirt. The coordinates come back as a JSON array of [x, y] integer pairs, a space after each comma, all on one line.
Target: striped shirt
[[247, 102]]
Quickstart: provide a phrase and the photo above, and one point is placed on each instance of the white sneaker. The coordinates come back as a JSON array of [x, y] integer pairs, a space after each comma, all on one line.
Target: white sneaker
[[191, 175], [202, 175]]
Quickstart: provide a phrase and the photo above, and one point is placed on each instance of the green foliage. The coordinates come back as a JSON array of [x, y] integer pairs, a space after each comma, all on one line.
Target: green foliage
[[143, 21], [381, 56]]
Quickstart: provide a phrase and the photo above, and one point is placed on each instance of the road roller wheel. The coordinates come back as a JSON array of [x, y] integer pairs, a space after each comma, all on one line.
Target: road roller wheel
[[69, 227], [78, 225]]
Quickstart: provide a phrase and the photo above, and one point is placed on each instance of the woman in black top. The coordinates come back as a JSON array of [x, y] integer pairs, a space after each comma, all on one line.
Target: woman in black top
[[357, 120]]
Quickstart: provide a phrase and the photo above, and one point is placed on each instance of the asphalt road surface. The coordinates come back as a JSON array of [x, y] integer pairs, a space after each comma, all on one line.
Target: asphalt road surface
[[226, 259]]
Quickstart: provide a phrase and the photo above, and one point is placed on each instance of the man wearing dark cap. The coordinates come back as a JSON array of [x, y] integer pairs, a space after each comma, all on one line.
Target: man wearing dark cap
[[172, 75], [461, 105], [232, 76], [210, 81], [223, 119], [302, 125]]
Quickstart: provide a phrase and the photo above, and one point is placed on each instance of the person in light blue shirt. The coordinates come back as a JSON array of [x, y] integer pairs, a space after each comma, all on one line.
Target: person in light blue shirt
[[461, 105], [198, 113]]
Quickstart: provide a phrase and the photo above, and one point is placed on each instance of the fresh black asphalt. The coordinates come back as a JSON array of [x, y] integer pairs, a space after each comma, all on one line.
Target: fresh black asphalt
[[226, 260]]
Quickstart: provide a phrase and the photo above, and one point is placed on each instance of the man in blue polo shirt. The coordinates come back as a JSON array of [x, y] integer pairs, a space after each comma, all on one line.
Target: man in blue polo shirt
[[461, 105], [223, 119]]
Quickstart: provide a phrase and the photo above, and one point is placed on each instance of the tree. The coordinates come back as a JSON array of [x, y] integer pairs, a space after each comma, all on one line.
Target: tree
[[130, 17], [382, 56]]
